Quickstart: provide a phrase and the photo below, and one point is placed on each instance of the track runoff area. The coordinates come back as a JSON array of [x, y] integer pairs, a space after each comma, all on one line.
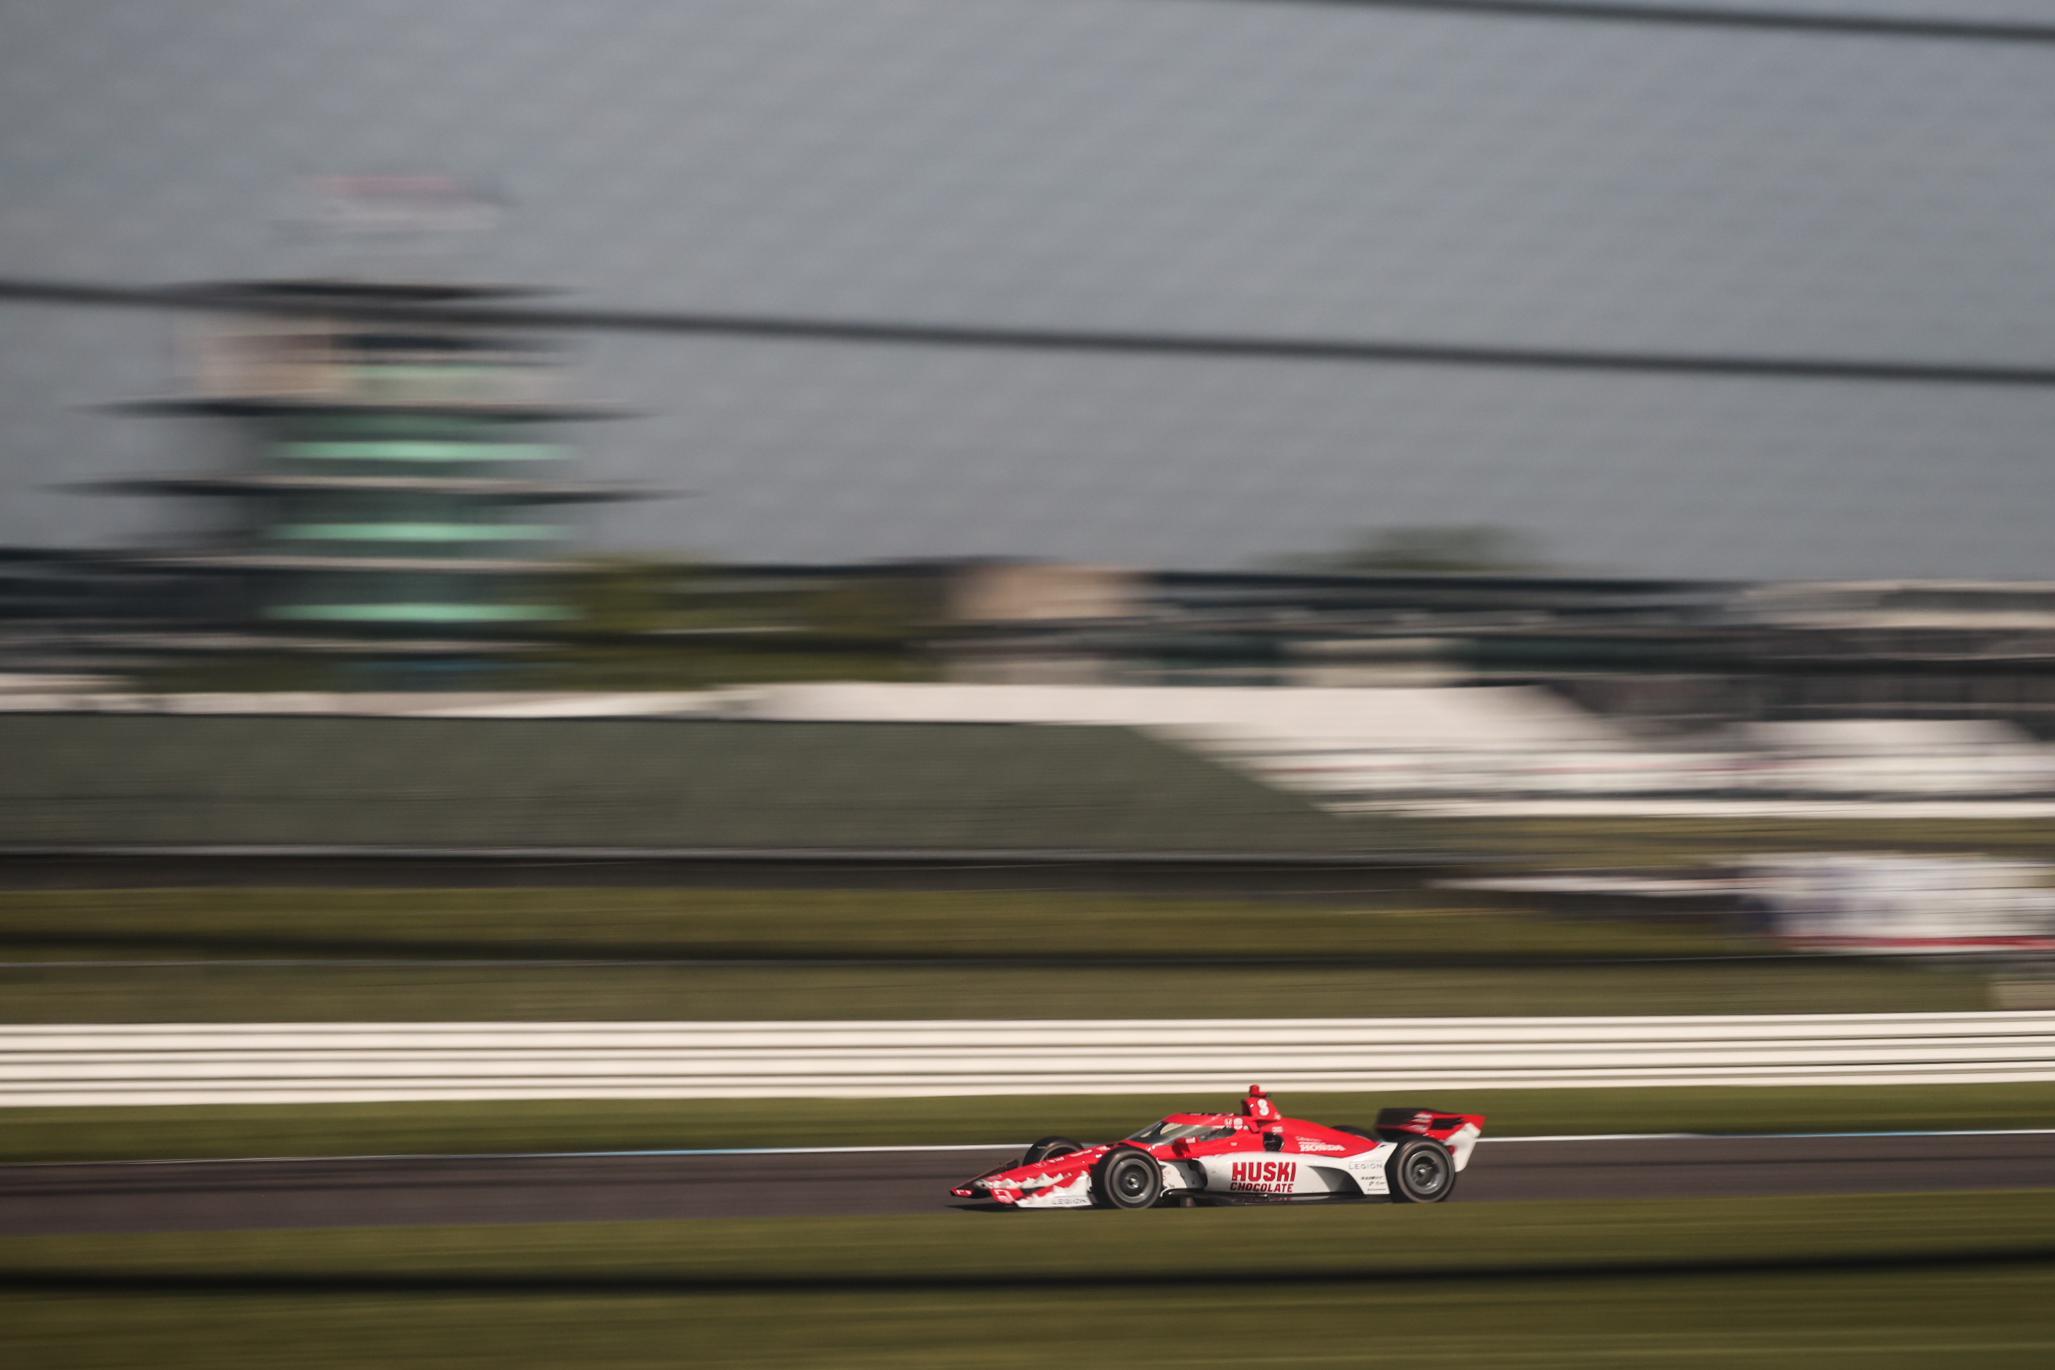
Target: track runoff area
[[347, 1191]]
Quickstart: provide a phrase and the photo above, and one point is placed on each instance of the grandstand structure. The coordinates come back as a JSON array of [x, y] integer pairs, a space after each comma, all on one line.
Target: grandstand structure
[[1509, 750], [1657, 655], [1505, 750], [1524, 695]]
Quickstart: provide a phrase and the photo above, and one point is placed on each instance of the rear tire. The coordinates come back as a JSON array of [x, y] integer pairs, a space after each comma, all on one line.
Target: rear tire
[[1048, 1149], [1420, 1172], [1127, 1177]]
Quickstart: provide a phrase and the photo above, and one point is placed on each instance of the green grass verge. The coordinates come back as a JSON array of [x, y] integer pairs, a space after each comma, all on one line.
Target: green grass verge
[[1729, 1282], [48, 1134], [1399, 930], [214, 956], [228, 992], [515, 784], [210, 956]]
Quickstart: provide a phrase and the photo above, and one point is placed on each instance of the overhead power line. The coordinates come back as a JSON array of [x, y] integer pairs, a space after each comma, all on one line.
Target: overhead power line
[[1007, 338], [1757, 18]]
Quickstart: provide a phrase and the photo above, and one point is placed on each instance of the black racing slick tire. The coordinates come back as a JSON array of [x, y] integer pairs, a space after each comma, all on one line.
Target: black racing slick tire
[[1048, 1148], [1421, 1173], [1126, 1177]]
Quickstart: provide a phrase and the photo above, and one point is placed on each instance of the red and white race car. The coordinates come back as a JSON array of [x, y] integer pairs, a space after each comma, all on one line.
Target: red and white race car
[[1412, 1155]]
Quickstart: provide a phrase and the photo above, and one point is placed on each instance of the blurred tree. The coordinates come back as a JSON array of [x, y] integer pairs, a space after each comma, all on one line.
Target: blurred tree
[[650, 623], [1431, 548], [626, 595], [642, 623]]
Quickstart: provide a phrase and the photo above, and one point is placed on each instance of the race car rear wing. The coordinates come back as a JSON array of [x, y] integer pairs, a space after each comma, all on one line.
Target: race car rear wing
[[1457, 1131]]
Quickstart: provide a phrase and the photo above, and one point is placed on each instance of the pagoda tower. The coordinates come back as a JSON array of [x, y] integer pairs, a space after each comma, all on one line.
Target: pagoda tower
[[389, 479]]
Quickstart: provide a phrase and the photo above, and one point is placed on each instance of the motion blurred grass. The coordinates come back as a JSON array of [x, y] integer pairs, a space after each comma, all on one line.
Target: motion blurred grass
[[1720, 1282], [1400, 929], [517, 785], [51, 1134], [303, 955], [224, 992]]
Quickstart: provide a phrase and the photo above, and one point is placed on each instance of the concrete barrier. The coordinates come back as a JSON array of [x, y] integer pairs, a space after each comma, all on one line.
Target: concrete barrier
[[359, 1062]]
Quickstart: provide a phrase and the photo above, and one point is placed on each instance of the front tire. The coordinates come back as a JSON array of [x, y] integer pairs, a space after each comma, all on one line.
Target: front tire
[[1421, 1173], [1048, 1149], [1127, 1177]]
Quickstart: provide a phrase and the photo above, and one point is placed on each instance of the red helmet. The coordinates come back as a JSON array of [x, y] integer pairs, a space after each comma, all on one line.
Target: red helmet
[[1257, 1104]]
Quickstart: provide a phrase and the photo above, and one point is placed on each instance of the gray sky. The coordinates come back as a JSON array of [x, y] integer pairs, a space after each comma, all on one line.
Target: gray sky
[[1139, 164]]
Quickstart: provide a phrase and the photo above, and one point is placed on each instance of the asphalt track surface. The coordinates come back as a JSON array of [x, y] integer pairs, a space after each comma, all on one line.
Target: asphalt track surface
[[374, 1191]]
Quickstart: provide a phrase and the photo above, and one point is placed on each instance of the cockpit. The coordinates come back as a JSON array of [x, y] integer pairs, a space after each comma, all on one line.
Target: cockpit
[[1176, 1129]]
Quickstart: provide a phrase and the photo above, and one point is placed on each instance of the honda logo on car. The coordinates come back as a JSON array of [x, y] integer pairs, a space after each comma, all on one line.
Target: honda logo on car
[[1262, 1177]]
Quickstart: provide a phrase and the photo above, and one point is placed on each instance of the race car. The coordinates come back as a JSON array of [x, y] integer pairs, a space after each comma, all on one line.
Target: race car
[[1412, 1155]]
